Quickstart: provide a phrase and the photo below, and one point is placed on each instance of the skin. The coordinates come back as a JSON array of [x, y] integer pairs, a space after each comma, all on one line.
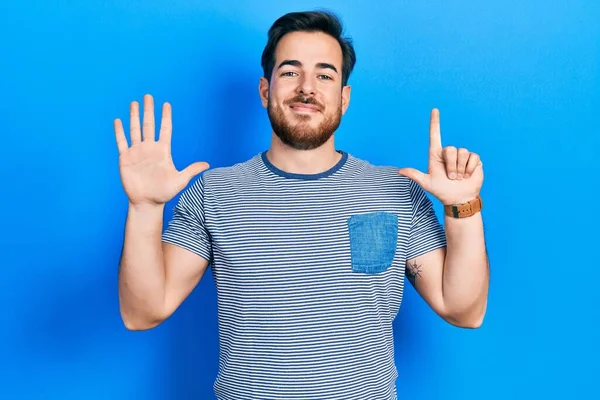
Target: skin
[[156, 277], [454, 281], [310, 52]]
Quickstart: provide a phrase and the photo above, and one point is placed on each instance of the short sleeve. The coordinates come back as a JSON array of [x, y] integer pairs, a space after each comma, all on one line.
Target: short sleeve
[[426, 232], [187, 227]]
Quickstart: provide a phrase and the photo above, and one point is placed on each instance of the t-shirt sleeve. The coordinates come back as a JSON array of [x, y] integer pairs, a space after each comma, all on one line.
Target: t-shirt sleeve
[[187, 227], [426, 232]]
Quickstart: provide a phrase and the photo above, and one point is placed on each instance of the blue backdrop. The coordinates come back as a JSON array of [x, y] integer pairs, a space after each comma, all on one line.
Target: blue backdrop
[[517, 82]]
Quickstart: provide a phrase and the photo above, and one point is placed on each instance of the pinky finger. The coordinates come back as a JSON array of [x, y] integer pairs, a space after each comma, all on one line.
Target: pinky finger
[[120, 136], [473, 162]]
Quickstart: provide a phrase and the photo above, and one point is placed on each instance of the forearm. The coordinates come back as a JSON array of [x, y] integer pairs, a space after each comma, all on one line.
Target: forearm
[[466, 271], [142, 270]]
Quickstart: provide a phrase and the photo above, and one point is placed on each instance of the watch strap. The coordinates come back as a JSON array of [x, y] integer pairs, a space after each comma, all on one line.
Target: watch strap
[[464, 210]]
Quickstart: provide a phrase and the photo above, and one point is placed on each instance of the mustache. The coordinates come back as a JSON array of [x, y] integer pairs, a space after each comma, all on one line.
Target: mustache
[[304, 100]]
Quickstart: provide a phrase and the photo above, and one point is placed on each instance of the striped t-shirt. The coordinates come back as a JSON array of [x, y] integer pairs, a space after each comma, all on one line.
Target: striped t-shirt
[[309, 272]]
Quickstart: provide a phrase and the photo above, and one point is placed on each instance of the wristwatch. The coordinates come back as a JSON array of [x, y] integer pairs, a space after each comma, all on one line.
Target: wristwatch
[[464, 210]]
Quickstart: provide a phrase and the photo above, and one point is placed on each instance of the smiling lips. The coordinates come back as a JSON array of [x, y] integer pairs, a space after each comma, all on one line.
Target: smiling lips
[[301, 107]]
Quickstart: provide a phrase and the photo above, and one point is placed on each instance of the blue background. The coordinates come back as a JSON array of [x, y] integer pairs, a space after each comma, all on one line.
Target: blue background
[[517, 82]]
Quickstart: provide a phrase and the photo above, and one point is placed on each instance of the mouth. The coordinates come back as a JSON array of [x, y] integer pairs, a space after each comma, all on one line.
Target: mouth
[[301, 107]]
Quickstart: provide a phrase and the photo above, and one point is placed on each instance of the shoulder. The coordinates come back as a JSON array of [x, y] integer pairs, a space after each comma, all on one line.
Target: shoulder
[[380, 186], [385, 177], [241, 170], [226, 179]]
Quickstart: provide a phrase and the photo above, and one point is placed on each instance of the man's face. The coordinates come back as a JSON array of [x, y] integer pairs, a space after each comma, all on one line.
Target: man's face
[[305, 100]]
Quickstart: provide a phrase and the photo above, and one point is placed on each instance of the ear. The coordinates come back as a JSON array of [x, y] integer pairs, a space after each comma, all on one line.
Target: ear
[[263, 91], [345, 98]]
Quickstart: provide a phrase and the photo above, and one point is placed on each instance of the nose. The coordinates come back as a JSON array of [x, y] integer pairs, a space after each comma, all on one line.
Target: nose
[[306, 86]]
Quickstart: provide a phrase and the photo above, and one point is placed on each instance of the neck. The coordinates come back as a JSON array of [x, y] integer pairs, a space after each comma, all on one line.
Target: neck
[[295, 161]]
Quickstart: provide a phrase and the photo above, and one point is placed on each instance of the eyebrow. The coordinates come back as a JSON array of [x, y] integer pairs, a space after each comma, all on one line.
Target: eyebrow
[[296, 63]]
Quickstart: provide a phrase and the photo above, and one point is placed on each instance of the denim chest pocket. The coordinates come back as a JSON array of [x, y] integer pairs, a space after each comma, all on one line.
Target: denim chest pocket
[[373, 239]]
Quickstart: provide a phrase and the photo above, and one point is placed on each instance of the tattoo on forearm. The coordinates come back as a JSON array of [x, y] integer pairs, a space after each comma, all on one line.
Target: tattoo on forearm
[[413, 271]]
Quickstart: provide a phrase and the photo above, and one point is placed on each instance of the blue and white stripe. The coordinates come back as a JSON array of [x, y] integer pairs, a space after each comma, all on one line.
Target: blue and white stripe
[[295, 320]]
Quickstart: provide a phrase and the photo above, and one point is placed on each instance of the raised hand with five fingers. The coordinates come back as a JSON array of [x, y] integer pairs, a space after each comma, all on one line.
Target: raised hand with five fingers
[[147, 171], [454, 176]]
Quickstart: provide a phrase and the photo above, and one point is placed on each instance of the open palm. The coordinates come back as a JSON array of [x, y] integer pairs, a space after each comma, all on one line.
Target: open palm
[[148, 173]]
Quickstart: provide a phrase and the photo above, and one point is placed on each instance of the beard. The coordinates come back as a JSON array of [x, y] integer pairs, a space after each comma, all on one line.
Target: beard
[[301, 136]]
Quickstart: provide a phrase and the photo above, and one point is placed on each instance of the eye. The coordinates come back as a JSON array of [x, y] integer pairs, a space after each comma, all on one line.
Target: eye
[[325, 77], [288, 73]]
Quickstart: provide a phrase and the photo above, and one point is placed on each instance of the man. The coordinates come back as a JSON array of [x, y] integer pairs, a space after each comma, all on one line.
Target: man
[[309, 246]]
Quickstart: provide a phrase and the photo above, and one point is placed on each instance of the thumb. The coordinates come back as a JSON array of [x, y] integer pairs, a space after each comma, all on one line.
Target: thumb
[[194, 169], [415, 175]]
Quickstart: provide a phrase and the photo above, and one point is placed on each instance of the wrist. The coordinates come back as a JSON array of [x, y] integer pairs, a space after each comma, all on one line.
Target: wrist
[[455, 201], [145, 208]]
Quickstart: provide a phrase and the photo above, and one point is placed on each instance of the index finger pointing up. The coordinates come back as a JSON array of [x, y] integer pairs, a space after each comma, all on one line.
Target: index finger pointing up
[[435, 137]]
